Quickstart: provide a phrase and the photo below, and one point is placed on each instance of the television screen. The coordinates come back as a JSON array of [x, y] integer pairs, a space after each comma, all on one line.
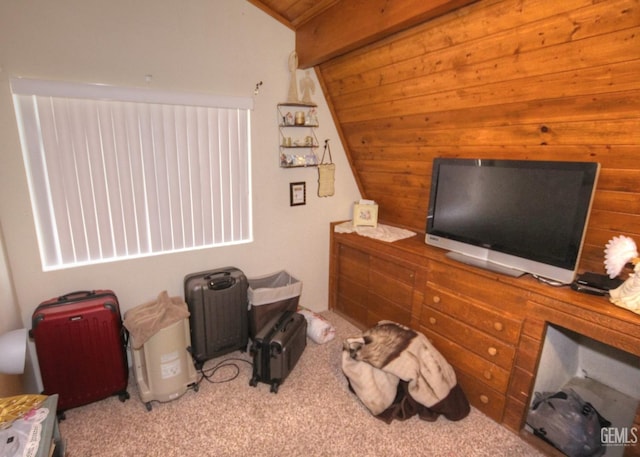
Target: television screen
[[526, 216]]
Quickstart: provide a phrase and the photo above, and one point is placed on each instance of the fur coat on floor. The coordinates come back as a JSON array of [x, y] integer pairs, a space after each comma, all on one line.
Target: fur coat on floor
[[397, 373]]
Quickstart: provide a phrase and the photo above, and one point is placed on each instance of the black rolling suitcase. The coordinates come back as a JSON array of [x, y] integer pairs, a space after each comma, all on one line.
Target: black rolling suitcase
[[277, 348], [217, 302]]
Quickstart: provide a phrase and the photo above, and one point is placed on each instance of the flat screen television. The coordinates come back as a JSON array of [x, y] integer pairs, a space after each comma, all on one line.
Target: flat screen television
[[512, 216]]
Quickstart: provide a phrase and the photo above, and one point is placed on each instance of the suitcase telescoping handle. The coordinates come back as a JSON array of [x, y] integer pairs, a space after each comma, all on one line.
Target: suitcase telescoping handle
[[220, 281]]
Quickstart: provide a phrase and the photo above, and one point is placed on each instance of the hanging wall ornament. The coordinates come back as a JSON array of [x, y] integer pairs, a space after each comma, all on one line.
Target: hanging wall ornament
[[293, 83], [308, 87], [326, 174]]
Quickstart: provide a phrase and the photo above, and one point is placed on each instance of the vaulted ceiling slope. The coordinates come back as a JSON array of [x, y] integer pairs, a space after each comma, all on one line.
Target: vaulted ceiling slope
[[495, 79], [329, 28]]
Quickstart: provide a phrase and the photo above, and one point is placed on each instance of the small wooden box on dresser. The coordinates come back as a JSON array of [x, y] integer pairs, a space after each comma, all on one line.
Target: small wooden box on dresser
[[490, 327]]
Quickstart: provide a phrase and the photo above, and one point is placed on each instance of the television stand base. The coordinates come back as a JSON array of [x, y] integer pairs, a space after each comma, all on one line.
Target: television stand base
[[485, 264]]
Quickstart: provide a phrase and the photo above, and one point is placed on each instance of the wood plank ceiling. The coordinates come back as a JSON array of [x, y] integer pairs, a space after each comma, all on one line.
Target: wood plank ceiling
[[329, 28]]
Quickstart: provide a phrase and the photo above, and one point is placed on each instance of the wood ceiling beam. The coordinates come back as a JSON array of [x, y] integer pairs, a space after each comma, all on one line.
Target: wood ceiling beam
[[315, 9], [350, 24], [271, 12]]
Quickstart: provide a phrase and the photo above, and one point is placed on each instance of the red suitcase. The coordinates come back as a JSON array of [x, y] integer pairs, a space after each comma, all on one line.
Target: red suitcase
[[81, 347]]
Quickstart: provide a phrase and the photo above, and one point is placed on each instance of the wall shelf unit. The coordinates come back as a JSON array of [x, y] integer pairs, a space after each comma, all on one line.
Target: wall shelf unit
[[298, 141]]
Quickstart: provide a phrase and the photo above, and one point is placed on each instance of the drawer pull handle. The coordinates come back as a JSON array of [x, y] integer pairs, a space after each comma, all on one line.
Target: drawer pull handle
[[487, 375], [492, 351], [498, 326], [432, 320], [484, 399], [436, 299]]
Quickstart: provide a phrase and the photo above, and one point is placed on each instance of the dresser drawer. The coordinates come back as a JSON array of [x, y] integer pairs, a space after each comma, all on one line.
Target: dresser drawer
[[503, 327], [482, 397], [351, 299], [498, 296], [353, 264], [352, 309], [353, 290], [387, 287], [389, 269], [492, 349], [464, 360], [381, 308]]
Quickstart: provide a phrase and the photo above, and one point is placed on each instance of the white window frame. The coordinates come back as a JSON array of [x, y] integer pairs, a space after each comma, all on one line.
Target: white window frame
[[117, 173]]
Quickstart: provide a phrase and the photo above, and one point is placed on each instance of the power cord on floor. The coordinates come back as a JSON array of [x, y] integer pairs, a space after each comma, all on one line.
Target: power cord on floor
[[208, 374]]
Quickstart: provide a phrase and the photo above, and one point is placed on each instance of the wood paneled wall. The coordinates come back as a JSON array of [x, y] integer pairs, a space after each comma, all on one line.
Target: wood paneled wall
[[517, 79]]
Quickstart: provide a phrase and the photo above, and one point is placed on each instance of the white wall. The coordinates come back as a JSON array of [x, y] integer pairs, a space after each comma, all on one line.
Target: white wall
[[221, 47]]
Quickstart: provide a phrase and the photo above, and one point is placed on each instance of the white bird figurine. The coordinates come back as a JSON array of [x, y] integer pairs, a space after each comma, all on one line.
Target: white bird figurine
[[619, 251]]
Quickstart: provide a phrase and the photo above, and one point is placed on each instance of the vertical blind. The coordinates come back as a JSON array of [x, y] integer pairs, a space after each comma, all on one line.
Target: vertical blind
[[118, 173]]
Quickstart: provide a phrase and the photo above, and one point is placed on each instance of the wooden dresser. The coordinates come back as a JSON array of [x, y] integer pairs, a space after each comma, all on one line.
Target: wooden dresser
[[490, 327]]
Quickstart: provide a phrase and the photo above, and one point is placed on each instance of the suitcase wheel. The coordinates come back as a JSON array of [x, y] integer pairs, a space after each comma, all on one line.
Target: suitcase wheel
[[148, 406], [274, 387], [254, 381], [123, 396]]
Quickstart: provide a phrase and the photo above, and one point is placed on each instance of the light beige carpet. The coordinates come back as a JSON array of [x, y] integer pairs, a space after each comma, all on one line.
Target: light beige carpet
[[313, 414]]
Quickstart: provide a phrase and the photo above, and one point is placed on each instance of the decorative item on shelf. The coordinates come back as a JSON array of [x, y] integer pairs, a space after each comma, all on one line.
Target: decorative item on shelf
[[299, 118], [288, 119], [311, 120], [326, 173], [619, 251], [365, 213], [310, 159], [293, 83]]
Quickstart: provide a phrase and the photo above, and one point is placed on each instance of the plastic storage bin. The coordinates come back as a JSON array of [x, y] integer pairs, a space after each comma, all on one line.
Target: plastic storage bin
[[268, 295]]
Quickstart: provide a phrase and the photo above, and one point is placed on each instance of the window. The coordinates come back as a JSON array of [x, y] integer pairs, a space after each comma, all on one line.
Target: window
[[118, 173]]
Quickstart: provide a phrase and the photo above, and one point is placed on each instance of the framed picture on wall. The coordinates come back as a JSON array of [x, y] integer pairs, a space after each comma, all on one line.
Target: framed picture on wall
[[297, 193]]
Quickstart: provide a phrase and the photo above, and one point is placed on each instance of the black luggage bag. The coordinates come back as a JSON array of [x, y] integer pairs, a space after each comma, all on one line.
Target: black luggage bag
[[217, 302], [277, 348]]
